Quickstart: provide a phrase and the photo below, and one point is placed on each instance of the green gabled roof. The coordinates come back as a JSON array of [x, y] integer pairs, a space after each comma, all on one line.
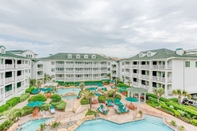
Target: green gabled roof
[[2, 46], [16, 51], [64, 56], [10, 55], [160, 54]]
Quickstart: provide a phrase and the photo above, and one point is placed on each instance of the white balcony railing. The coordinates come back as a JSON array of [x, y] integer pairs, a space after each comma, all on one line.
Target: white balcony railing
[[96, 78], [157, 78], [78, 78], [135, 66], [144, 76], [27, 65], [169, 80], [20, 89], [103, 70], [1, 97], [20, 77], [1, 82], [1, 66], [9, 66], [135, 74], [78, 71], [145, 66], [96, 65], [79, 65], [169, 66], [135, 83], [20, 65], [60, 78], [9, 93], [58, 71], [87, 78], [69, 65], [158, 66], [126, 66], [59, 65], [40, 76], [103, 65], [145, 86], [169, 92], [71, 71], [40, 68], [69, 78], [96, 71], [9, 79], [127, 74]]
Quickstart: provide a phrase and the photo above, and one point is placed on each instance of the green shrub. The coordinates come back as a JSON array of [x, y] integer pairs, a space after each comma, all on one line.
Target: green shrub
[[14, 101], [101, 99], [38, 97], [4, 107], [194, 122], [181, 128], [118, 96], [27, 110], [42, 127], [45, 106], [61, 106], [24, 97], [90, 112], [56, 98], [55, 124], [122, 84], [56, 103], [152, 99], [5, 125], [173, 123], [84, 101], [164, 99], [174, 100], [182, 113], [176, 113], [29, 90]]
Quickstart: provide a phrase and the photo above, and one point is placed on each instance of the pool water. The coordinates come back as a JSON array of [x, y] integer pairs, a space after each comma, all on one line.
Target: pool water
[[150, 123], [132, 99], [33, 125], [66, 90]]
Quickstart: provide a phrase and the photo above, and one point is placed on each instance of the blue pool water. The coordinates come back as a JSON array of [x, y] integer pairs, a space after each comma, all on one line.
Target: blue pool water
[[33, 125], [66, 90], [150, 123]]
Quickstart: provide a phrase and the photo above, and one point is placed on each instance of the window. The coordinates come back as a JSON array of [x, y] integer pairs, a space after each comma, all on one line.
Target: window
[[52, 63], [122, 70], [52, 69], [77, 56], [109, 63], [69, 56], [85, 56], [93, 57], [187, 64]]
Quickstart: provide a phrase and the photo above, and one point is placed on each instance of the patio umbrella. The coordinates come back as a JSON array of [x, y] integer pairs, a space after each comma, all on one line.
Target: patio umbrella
[[35, 104], [35, 91], [46, 89]]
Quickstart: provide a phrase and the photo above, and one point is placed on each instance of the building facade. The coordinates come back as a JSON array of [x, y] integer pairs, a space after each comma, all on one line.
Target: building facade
[[15, 72], [161, 68]]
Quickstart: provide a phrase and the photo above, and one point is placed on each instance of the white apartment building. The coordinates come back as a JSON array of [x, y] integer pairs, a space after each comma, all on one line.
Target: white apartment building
[[161, 68], [75, 67], [15, 72]]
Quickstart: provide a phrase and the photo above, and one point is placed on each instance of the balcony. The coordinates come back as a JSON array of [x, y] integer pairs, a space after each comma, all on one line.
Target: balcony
[[144, 76], [1, 97], [126, 66], [69, 65], [103, 65], [157, 78], [69, 71], [20, 66], [145, 86], [1, 66], [96, 78], [135, 66], [40, 76], [127, 74], [27, 65], [69, 78], [103, 71], [87, 71], [88, 65], [9, 93], [169, 80], [59, 65], [20, 89], [158, 66], [59, 78], [169, 67], [96, 65], [87, 78], [20, 77], [9, 66], [9, 79], [79, 65], [145, 66], [79, 71], [135, 74], [78, 78], [135, 83], [59, 71], [1, 82], [169, 92], [40, 68], [95, 71]]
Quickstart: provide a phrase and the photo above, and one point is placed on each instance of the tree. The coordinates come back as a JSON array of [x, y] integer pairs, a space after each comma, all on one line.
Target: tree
[[47, 78], [11, 113], [117, 80], [39, 83], [82, 85], [88, 95], [109, 76], [129, 82], [180, 93], [158, 92], [32, 82]]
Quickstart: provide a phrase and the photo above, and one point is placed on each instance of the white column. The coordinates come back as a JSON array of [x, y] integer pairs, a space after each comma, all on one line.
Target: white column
[[139, 97], [144, 97]]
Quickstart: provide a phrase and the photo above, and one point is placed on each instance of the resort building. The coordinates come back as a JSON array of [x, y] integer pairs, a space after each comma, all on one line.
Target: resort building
[[161, 68], [15, 72], [72, 67]]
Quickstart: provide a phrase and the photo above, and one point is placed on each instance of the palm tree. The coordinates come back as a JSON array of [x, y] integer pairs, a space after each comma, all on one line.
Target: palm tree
[[82, 85], [32, 82], [39, 83], [180, 94], [117, 80], [158, 92], [88, 95], [47, 77], [109, 76]]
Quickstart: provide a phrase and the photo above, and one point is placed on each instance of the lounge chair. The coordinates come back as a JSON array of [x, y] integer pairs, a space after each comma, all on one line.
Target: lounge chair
[[109, 103], [131, 106], [123, 109], [102, 110], [52, 109], [117, 102], [118, 111]]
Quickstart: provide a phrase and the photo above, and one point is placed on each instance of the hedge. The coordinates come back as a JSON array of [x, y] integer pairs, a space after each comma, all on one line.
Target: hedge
[[122, 84], [38, 97], [91, 112], [152, 99], [101, 99], [4, 107], [61, 106], [24, 97], [14, 101], [45, 106], [56, 98], [194, 122], [5, 125], [84, 101], [29, 90], [174, 99], [27, 110], [118, 96]]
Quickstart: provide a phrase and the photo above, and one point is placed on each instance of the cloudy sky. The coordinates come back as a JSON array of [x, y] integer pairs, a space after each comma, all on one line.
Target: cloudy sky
[[118, 28]]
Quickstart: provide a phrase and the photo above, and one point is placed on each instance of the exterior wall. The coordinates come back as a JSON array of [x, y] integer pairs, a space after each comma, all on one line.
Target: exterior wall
[[28, 52]]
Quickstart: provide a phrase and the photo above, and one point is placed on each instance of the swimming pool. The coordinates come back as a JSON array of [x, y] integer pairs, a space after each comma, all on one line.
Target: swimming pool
[[62, 91], [150, 123], [33, 125]]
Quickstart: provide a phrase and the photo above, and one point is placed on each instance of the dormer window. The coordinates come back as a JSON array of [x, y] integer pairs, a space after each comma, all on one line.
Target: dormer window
[[141, 55], [69, 56], [78, 56], [93, 57], [149, 54], [86, 56], [3, 51]]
